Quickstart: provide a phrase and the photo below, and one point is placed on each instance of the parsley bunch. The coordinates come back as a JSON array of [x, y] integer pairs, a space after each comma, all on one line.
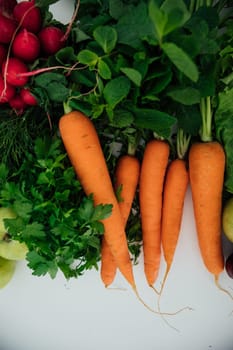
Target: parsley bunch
[[59, 224]]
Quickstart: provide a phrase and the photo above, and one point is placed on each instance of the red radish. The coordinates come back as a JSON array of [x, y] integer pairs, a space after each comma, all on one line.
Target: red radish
[[17, 103], [51, 39], [6, 91], [12, 69], [26, 46], [28, 97], [7, 29], [28, 15], [3, 53], [7, 7]]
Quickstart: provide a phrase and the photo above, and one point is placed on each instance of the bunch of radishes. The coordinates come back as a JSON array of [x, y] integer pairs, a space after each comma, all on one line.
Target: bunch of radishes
[[23, 39]]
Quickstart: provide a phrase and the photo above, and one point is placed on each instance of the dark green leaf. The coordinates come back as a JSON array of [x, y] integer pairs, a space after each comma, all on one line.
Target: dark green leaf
[[101, 212], [34, 230], [157, 121], [158, 18], [134, 75], [57, 92], [3, 173], [134, 25], [104, 70], [116, 90], [66, 55], [122, 118], [44, 79], [41, 265], [23, 209], [186, 96], [177, 14], [86, 209], [14, 226], [116, 8], [181, 60], [189, 119]]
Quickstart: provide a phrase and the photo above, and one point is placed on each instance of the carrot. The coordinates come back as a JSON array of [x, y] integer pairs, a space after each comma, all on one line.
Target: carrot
[[85, 153], [153, 169], [176, 183], [207, 165], [126, 178], [206, 168], [108, 266]]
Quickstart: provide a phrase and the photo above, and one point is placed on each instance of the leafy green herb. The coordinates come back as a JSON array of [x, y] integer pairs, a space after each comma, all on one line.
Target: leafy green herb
[[61, 226]]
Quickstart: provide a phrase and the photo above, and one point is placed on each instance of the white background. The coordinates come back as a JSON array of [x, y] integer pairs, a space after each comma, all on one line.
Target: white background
[[43, 314], [37, 313]]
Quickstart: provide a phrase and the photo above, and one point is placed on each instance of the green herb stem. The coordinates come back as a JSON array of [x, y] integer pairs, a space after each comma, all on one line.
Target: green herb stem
[[182, 144], [66, 107], [206, 115], [131, 149]]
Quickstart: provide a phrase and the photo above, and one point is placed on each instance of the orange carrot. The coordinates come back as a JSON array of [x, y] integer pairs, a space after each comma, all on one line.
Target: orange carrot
[[85, 153], [207, 165], [126, 178], [176, 183], [153, 169], [206, 170]]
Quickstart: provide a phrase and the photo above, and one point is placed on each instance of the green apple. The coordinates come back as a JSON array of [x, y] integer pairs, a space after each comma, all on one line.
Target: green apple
[[10, 249], [227, 219], [7, 269], [13, 250], [5, 213]]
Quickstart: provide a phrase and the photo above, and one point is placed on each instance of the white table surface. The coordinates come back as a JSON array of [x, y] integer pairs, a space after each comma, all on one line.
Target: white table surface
[[43, 314]]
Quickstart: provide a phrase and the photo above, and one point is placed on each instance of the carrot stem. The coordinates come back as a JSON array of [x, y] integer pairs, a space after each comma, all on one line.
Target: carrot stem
[[182, 145], [206, 115]]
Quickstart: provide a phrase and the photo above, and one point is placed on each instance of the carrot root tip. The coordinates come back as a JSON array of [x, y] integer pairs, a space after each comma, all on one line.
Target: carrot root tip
[[216, 280], [154, 289]]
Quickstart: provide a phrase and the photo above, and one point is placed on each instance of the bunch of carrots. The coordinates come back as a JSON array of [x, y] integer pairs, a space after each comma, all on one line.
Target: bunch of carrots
[[162, 185]]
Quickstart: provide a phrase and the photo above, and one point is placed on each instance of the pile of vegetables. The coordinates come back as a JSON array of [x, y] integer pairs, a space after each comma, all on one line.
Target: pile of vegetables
[[129, 105]]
